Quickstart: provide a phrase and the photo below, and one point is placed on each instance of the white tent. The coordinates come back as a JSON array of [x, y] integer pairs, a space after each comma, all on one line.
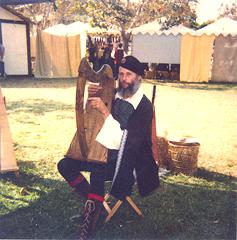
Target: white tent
[[151, 44], [86, 27], [148, 28], [155, 28], [192, 50], [58, 29], [82, 29], [225, 26]]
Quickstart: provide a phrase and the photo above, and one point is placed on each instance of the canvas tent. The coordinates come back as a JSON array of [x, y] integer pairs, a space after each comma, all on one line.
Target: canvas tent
[[57, 54], [207, 54], [225, 59], [14, 26], [224, 68], [151, 44], [195, 58], [60, 48], [211, 53]]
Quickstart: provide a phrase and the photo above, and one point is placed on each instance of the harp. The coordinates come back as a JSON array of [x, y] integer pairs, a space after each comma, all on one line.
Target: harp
[[88, 120]]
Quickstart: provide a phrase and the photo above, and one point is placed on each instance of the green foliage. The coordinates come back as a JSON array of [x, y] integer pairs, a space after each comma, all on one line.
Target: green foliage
[[186, 208], [123, 15], [177, 12], [105, 13], [197, 26], [118, 13], [111, 13]]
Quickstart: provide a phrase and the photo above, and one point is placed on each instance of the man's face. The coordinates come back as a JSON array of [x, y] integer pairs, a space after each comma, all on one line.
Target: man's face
[[129, 82], [127, 77]]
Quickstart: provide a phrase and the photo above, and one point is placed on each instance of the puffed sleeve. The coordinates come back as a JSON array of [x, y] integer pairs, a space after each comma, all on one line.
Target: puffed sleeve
[[110, 134]]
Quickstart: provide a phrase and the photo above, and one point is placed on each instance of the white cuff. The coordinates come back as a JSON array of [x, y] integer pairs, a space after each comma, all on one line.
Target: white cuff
[[110, 134]]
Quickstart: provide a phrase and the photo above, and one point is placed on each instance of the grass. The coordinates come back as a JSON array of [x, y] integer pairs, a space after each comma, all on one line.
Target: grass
[[42, 122]]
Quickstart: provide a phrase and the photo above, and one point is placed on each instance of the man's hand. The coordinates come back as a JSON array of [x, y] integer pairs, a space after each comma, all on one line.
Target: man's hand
[[97, 103], [94, 90]]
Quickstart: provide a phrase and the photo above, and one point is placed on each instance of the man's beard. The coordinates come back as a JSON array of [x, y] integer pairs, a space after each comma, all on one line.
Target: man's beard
[[130, 90]]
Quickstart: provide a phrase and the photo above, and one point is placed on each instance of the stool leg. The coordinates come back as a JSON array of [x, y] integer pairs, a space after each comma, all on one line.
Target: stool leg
[[107, 208], [106, 196], [106, 205], [134, 206], [113, 211]]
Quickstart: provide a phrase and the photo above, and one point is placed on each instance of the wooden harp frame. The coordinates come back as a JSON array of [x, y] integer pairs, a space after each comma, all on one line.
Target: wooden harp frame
[[89, 121]]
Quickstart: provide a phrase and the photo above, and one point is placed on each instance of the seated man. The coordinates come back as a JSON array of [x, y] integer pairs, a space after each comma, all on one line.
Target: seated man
[[127, 134]]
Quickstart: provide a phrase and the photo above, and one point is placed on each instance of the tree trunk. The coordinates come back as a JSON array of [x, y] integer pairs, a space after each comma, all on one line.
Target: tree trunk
[[125, 38]]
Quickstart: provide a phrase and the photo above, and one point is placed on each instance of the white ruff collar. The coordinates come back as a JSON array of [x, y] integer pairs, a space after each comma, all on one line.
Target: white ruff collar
[[135, 99]]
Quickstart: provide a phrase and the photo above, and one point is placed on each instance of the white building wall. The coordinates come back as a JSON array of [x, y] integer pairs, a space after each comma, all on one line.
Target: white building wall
[[15, 42]]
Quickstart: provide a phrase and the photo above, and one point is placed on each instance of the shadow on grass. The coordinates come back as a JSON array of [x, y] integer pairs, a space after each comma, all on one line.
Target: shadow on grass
[[184, 207], [214, 176], [24, 82], [207, 86], [38, 106], [46, 207], [196, 86]]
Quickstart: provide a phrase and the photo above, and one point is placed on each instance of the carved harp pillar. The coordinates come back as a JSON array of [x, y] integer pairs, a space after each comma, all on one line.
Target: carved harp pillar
[[90, 121]]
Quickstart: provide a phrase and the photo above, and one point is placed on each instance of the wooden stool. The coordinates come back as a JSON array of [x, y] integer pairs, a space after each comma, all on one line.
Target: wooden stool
[[113, 210]]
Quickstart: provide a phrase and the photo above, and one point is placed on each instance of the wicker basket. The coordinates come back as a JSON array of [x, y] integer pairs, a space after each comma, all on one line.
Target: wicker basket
[[183, 157]]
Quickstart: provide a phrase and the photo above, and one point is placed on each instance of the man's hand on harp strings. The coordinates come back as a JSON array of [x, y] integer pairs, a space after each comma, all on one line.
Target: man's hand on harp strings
[[97, 103]]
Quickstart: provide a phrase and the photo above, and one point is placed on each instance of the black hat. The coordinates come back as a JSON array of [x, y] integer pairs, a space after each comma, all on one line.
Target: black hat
[[133, 64]]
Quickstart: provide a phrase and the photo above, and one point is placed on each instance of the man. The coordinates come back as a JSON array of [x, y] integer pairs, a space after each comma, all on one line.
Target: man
[[127, 134], [118, 56]]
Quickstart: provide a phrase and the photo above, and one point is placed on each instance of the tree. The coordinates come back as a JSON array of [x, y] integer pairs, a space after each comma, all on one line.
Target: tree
[[47, 14], [177, 12], [229, 10], [124, 15]]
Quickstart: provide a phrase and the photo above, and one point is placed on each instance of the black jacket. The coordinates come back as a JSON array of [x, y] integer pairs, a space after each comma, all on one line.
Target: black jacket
[[137, 155]]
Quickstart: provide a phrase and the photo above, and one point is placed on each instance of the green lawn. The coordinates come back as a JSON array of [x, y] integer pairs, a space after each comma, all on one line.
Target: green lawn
[[42, 122]]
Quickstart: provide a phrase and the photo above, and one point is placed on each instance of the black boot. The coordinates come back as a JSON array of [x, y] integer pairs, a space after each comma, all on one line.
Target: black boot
[[91, 215]]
